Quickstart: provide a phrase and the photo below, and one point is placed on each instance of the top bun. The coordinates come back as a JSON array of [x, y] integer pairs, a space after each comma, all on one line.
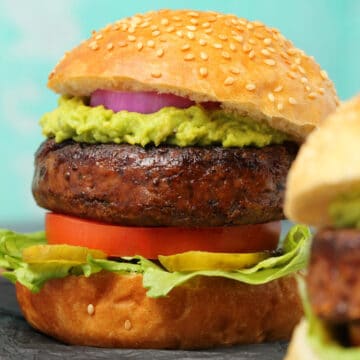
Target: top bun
[[206, 56], [327, 165]]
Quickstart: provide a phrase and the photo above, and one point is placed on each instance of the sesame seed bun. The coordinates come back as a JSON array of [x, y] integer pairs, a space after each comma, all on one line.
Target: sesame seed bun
[[327, 165], [110, 310], [248, 67]]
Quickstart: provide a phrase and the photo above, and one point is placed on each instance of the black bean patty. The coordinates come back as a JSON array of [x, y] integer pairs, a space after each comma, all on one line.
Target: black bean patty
[[334, 275], [164, 185]]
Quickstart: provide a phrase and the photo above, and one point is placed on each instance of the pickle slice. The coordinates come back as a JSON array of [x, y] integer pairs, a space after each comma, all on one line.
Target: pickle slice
[[202, 260], [54, 253]]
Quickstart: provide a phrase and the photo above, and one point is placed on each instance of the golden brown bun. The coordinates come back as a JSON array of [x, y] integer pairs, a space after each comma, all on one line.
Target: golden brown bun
[[327, 165], [206, 56], [299, 348], [203, 313]]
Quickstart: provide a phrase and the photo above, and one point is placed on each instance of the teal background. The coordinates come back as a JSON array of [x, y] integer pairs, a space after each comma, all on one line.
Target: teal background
[[34, 35]]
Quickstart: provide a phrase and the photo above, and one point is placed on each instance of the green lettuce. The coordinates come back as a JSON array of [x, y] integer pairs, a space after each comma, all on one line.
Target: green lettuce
[[158, 281], [319, 336]]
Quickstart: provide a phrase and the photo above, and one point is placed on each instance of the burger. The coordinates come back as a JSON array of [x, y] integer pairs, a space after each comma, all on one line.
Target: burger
[[323, 190], [163, 173]]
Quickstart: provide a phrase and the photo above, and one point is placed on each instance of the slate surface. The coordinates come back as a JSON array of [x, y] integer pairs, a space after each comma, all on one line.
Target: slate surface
[[19, 341]]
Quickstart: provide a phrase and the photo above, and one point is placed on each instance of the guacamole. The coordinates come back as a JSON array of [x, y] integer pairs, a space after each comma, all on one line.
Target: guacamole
[[73, 119], [345, 210]]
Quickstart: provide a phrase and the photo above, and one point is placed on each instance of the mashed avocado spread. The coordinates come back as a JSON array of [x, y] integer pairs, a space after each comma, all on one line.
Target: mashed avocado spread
[[345, 210], [73, 119]]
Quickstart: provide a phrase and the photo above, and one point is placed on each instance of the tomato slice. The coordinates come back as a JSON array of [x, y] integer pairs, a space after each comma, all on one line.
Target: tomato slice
[[150, 242]]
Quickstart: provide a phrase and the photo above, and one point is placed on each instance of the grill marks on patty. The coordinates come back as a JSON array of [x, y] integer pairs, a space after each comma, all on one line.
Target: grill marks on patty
[[163, 186]]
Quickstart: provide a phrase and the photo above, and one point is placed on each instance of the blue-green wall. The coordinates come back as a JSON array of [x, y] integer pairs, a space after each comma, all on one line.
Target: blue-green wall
[[34, 34]]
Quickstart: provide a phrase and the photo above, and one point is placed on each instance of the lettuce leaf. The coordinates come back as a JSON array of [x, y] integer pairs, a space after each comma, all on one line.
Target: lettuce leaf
[[158, 281], [320, 337]]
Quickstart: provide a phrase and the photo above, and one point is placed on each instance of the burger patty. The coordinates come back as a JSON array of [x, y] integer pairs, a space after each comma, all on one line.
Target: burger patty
[[334, 275], [164, 185]]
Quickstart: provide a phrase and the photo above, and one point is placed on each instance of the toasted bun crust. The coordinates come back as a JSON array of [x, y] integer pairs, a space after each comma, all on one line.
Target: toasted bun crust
[[203, 313], [327, 165], [299, 348], [206, 56]]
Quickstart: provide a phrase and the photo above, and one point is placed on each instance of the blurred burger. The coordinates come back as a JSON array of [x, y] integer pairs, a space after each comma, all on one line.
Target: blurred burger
[[164, 173], [324, 191]]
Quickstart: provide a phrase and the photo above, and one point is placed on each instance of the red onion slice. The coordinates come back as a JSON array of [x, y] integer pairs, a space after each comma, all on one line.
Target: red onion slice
[[141, 102]]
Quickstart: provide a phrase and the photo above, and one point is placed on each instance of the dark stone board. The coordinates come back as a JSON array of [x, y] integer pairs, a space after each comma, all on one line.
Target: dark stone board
[[19, 341]]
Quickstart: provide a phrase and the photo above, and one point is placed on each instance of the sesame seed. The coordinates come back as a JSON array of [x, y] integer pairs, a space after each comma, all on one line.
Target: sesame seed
[[179, 33], [124, 27], [252, 41], [176, 18], [267, 41], [202, 42], [304, 80], [122, 43], [170, 29], [232, 47], [212, 18], [217, 46], [190, 35], [278, 88], [116, 27], [203, 71], [160, 53], [189, 57], [139, 45], [191, 27], [185, 47], [291, 51], [234, 21], [193, 14], [308, 88], [246, 48], [156, 33], [292, 101], [93, 45], [131, 30], [127, 325], [156, 74], [208, 31], [280, 106], [298, 61], [324, 75], [239, 38], [205, 24], [222, 37], [204, 55], [271, 49], [150, 43], [242, 21], [225, 55], [292, 75], [321, 90], [229, 81], [154, 27], [250, 26], [312, 95], [265, 52], [90, 309], [131, 38], [164, 21], [98, 37], [259, 36], [251, 54], [235, 70], [110, 46], [271, 97], [250, 87], [301, 69], [269, 62], [194, 21], [144, 24]]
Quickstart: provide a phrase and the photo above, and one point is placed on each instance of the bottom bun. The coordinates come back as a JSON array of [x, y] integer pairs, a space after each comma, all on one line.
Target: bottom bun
[[111, 310], [299, 348]]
